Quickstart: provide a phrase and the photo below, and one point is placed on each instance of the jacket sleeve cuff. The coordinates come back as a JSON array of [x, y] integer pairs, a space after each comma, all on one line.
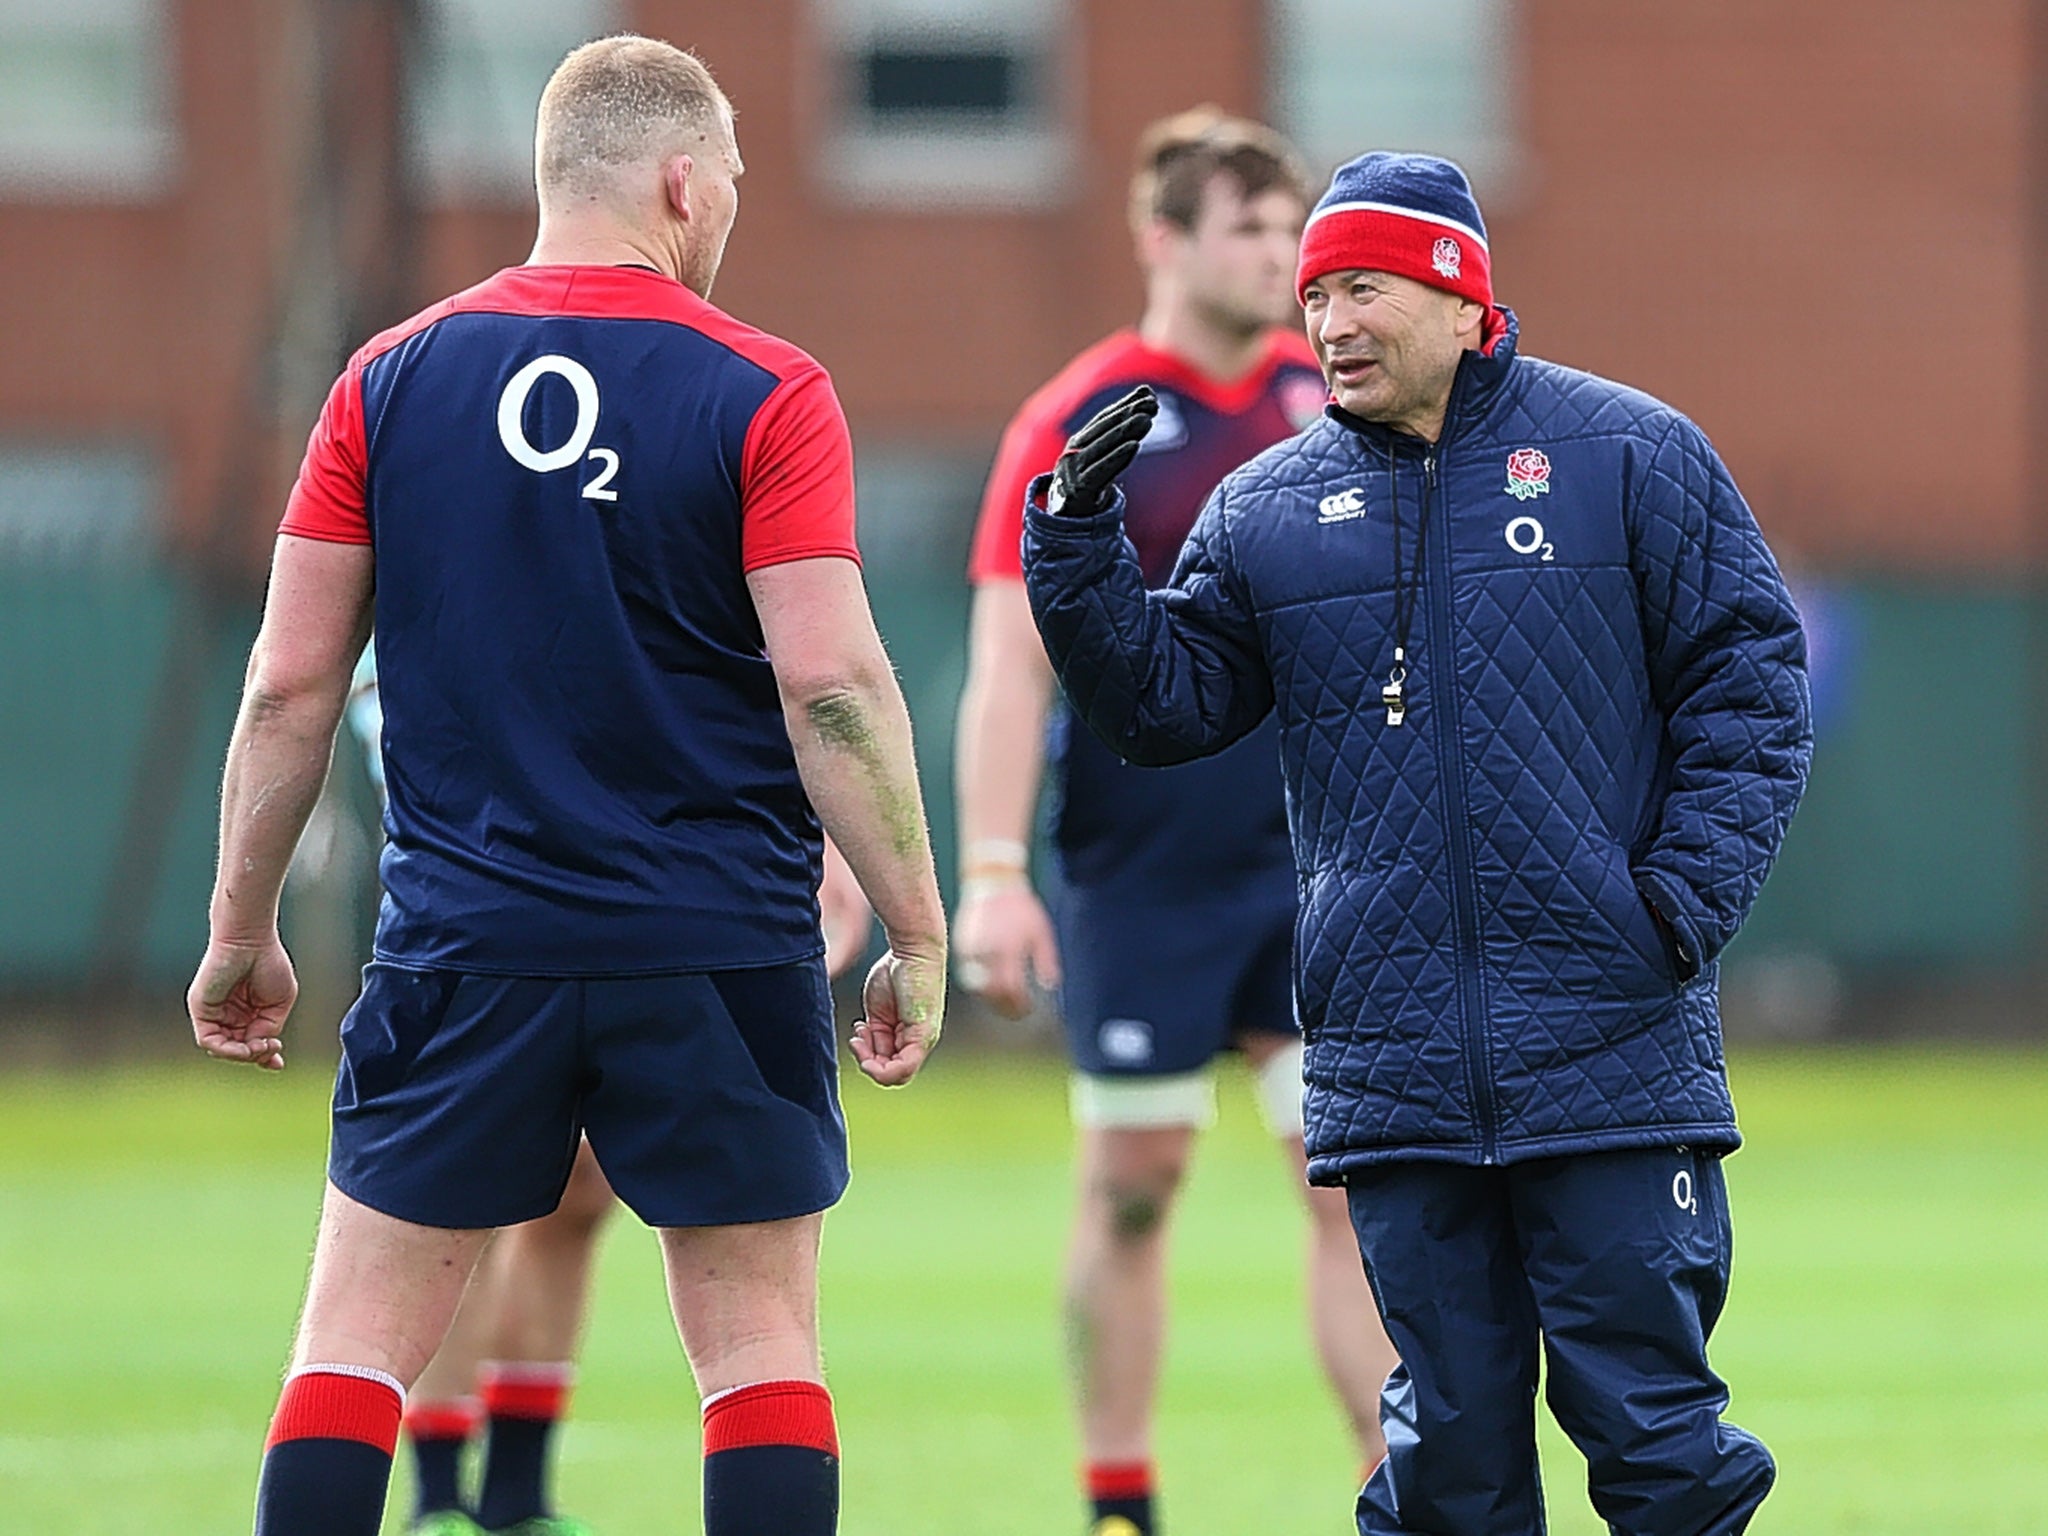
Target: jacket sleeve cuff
[[1061, 525], [1679, 930]]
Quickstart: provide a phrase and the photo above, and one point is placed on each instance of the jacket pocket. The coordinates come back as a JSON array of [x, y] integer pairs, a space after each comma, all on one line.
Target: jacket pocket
[[1683, 968], [1640, 948]]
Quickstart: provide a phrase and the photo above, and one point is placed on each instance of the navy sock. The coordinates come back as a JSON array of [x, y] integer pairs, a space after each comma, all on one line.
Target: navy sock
[[771, 1461], [440, 1433], [1120, 1498], [515, 1472], [524, 1402], [327, 1463]]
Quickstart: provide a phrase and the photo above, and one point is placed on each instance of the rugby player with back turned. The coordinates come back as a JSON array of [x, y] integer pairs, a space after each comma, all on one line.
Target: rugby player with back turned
[[624, 650]]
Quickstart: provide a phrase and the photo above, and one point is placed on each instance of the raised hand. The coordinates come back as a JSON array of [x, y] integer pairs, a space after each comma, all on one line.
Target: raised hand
[[1099, 452]]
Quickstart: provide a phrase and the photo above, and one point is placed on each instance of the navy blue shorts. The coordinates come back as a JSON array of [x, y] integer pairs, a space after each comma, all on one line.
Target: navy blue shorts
[[709, 1099], [1154, 985]]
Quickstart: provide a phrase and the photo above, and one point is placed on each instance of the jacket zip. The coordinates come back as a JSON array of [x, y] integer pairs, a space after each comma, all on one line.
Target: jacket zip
[[1457, 830]]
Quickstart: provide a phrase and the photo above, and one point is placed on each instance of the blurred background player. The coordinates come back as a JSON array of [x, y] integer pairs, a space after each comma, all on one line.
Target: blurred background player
[[505, 1369], [616, 684], [1175, 892]]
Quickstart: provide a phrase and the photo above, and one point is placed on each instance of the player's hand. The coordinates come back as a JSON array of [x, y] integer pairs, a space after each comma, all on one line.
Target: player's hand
[[844, 912], [240, 999], [1099, 452], [905, 1003], [1005, 943]]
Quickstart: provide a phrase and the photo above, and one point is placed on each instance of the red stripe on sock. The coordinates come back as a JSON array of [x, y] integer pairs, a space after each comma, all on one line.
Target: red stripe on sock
[[772, 1413], [451, 1418], [517, 1390], [1117, 1479], [319, 1405], [525, 1399]]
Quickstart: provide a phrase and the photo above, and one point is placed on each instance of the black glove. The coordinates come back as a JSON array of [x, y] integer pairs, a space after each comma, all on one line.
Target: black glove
[[1099, 452]]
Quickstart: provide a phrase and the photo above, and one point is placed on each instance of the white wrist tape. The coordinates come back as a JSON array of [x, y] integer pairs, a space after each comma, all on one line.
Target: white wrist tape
[[996, 850]]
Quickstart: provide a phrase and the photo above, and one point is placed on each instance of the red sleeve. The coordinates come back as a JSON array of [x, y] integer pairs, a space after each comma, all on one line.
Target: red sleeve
[[329, 500], [1029, 448], [796, 477], [1294, 348]]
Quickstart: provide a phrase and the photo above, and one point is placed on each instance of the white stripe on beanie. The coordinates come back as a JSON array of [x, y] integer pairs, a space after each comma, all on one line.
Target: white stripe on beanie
[[1394, 208]]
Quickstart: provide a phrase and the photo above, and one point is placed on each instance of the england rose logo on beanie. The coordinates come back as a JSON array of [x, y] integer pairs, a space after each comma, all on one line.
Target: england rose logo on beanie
[[1447, 257], [1528, 473]]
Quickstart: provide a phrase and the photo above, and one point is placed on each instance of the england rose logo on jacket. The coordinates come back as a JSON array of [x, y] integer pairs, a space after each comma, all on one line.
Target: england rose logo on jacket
[[1528, 473]]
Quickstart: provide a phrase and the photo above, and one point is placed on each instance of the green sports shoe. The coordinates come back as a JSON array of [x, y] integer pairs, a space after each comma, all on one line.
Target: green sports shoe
[[446, 1522], [546, 1525]]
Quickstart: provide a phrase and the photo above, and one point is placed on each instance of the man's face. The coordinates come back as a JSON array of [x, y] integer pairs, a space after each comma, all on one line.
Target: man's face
[[1237, 263], [714, 195], [1388, 345]]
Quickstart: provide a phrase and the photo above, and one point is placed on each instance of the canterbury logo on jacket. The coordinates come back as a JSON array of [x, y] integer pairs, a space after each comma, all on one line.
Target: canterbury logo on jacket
[[1606, 713]]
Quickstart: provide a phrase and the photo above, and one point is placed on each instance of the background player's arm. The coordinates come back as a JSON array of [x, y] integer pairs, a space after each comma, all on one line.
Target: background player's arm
[[315, 621], [1004, 937], [851, 731], [843, 913]]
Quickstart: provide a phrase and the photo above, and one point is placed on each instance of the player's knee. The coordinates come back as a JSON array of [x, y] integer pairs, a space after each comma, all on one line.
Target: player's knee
[[1132, 1175], [1134, 1209], [1135, 1214]]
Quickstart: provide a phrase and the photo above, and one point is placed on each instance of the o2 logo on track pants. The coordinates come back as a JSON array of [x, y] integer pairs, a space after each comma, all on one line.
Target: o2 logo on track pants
[[1683, 1195]]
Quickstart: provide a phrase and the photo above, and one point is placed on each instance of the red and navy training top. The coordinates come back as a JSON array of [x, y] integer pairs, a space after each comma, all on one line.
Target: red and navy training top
[[565, 474], [1165, 832]]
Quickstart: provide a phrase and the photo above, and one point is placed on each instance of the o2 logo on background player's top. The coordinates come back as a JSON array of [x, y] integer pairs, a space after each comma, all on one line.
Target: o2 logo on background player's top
[[1169, 426], [512, 426]]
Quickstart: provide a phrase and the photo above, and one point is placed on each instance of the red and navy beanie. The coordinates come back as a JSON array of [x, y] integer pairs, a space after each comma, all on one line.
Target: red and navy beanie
[[1412, 215]]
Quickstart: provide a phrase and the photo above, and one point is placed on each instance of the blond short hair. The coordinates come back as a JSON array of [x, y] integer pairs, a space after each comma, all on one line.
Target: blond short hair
[[617, 101], [1179, 155]]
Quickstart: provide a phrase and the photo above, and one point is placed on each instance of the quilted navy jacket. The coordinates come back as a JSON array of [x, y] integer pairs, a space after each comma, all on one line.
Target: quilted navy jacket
[[1607, 712]]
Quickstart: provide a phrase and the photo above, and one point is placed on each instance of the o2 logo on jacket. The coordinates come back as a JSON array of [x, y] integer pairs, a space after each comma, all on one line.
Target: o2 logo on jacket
[[1525, 537], [512, 427], [1528, 473]]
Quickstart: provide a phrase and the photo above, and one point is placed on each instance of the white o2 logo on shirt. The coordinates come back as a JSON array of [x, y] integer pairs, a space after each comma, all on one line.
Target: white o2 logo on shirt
[[512, 428]]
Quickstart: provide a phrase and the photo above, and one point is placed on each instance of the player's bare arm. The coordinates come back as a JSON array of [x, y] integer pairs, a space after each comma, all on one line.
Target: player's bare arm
[[314, 624], [851, 733], [1003, 937]]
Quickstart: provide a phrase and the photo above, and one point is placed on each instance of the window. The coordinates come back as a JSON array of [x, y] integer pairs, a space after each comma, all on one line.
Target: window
[[945, 102], [476, 79], [76, 505], [85, 108], [1354, 75]]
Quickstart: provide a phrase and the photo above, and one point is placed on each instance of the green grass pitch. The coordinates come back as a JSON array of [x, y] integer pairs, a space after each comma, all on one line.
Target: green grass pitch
[[1887, 1334]]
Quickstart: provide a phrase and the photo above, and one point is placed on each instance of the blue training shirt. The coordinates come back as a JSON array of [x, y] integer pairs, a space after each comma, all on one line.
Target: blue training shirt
[[566, 474]]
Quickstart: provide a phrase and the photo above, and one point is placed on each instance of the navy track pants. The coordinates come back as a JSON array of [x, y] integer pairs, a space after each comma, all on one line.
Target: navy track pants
[[1616, 1264]]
